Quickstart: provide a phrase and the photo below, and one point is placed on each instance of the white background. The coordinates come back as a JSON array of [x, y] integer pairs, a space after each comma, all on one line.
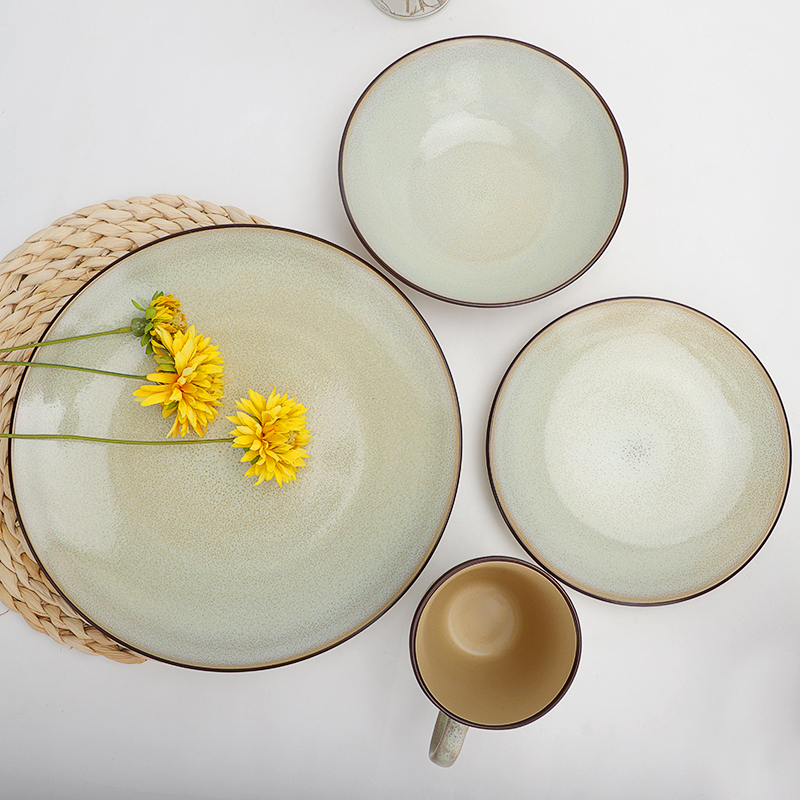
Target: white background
[[244, 103]]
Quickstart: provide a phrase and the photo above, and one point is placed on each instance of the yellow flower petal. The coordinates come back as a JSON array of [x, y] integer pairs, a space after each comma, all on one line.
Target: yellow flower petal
[[272, 431], [193, 391]]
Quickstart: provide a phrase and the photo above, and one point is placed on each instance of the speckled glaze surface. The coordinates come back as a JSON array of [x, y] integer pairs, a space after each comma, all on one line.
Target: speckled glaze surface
[[171, 550], [639, 451], [483, 171], [410, 9]]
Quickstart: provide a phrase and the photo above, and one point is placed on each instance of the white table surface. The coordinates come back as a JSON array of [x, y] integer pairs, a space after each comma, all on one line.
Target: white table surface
[[243, 103]]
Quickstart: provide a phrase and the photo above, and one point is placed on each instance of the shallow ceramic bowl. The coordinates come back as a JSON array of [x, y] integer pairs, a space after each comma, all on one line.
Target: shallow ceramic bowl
[[171, 550], [483, 171], [639, 451]]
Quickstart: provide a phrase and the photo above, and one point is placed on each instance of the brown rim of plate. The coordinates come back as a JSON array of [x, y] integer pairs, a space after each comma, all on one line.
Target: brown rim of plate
[[475, 304], [519, 537], [484, 560], [402, 590]]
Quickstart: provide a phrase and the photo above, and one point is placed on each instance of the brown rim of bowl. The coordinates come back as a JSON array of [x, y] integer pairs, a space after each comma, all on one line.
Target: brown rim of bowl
[[518, 536], [475, 304], [417, 572], [449, 574]]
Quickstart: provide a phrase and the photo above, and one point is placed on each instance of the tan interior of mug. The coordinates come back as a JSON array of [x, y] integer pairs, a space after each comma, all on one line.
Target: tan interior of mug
[[496, 643]]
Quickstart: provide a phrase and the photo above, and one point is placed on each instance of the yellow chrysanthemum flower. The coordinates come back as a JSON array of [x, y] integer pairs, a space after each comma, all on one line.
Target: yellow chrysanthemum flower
[[167, 316], [163, 315], [189, 382], [273, 433]]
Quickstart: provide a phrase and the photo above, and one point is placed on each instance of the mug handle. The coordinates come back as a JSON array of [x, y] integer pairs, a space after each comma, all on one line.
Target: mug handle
[[448, 736]]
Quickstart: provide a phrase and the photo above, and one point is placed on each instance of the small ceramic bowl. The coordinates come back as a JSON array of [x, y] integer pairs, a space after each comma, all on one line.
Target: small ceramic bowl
[[483, 171], [639, 451]]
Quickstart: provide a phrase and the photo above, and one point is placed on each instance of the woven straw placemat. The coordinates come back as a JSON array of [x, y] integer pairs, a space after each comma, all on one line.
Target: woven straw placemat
[[36, 279]]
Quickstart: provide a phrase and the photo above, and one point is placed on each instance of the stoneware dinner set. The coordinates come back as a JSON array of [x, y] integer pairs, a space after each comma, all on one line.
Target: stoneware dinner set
[[636, 448]]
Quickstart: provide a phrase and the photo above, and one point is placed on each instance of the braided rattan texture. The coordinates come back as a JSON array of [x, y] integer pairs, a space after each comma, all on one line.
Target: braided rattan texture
[[35, 281]]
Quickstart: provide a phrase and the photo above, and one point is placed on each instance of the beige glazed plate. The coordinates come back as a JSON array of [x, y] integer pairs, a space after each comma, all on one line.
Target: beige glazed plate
[[171, 550], [639, 451], [483, 171]]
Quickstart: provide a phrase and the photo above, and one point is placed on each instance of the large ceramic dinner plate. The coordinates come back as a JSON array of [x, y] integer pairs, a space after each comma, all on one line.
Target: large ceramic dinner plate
[[170, 549], [639, 451], [483, 171]]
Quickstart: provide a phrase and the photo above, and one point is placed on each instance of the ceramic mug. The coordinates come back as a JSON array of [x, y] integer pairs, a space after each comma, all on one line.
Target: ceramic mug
[[495, 643]]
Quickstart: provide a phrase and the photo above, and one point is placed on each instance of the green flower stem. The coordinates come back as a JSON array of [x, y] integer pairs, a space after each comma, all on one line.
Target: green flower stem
[[73, 437], [67, 366], [126, 329]]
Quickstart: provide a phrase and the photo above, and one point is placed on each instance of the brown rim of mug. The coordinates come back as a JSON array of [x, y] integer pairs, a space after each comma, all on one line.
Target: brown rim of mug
[[432, 590], [518, 536], [476, 304], [417, 572]]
